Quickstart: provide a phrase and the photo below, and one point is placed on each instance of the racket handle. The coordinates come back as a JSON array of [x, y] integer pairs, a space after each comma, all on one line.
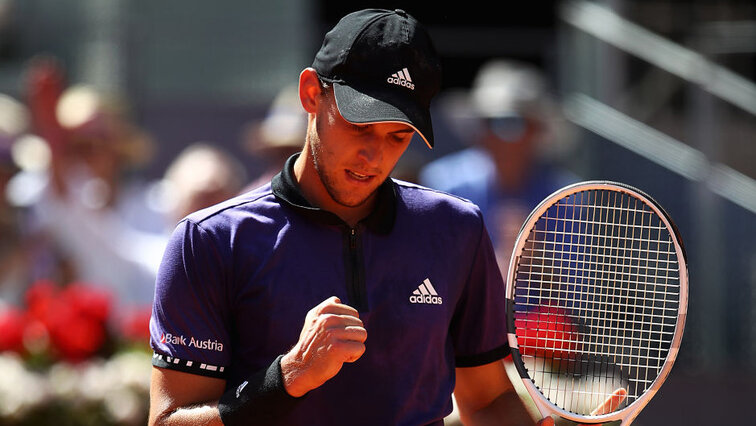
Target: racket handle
[[542, 406]]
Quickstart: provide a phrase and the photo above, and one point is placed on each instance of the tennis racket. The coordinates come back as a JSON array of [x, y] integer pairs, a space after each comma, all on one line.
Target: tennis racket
[[597, 295]]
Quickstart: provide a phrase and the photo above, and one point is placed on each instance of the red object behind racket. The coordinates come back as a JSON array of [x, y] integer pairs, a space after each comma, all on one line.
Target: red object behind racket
[[597, 292]]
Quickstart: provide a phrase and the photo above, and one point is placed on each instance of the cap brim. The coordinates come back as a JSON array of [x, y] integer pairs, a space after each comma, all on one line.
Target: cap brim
[[361, 108]]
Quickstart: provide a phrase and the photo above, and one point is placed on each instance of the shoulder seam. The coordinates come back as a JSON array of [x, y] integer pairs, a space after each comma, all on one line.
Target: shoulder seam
[[411, 185], [219, 211]]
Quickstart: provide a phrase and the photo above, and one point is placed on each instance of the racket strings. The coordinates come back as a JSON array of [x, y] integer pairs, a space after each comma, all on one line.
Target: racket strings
[[650, 264], [597, 296]]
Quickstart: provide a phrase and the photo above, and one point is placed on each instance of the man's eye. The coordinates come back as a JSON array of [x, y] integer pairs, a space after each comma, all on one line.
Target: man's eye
[[401, 136]]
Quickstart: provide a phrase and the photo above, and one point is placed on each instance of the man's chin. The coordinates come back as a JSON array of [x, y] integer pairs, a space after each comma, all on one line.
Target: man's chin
[[354, 202]]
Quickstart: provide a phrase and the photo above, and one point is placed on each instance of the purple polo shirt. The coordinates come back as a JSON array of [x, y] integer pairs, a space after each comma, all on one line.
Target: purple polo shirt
[[238, 278]]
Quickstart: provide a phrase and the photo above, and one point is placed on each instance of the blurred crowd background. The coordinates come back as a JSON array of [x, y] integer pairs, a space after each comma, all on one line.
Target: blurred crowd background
[[119, 117]]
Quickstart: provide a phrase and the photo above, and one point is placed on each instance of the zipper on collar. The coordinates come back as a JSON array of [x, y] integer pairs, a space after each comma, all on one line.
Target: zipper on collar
[[355, 271]]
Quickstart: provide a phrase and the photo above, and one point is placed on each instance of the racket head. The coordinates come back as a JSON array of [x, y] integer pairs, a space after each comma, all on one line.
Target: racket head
[[597, 293]]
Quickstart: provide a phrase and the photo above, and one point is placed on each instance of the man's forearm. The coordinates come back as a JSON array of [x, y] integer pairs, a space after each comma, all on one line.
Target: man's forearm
[[205, 414], [260, 400], [506, 409]]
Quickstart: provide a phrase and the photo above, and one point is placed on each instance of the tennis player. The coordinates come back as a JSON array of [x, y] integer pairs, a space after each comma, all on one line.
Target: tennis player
[[334, 294]]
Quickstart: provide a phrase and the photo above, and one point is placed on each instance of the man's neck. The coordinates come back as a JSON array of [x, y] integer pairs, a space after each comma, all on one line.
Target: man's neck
[[316, 194]]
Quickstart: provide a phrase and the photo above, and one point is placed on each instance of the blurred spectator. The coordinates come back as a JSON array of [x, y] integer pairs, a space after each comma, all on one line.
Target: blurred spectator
[[508, 120], [93, 210], [200, 176], [278, 136], [25, 255], [12, 124]]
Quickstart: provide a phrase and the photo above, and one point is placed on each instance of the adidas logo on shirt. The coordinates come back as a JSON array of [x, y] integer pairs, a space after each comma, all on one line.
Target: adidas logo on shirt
[[402, 78], [426, 294]]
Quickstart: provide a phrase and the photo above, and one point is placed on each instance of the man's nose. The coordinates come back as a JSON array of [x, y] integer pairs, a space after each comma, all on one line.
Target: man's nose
[[372, 150]]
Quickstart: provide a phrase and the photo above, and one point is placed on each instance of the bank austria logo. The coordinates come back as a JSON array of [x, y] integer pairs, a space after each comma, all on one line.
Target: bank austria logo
[[181, 340], [426, 294]]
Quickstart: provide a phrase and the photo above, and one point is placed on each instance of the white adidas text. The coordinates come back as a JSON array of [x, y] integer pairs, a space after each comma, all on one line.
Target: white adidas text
[[402, 78], [426, 294]]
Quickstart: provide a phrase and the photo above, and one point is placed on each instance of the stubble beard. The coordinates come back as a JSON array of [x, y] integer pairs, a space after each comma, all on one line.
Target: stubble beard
[[329, 183]]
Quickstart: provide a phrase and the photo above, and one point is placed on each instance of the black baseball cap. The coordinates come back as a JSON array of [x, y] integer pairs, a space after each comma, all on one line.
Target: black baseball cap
[[383, 68]]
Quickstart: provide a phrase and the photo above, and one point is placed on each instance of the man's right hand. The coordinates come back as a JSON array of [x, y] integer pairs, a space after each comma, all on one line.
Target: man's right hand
[[332, 335]]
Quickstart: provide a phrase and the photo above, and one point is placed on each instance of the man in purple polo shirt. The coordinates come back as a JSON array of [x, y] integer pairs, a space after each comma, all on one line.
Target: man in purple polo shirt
[[335, 294]]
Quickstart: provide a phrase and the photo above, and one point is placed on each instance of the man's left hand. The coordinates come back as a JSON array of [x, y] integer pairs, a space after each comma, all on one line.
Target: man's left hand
[[609, 405]]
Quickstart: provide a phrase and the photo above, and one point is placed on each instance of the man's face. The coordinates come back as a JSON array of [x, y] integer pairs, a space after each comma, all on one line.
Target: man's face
[[353, 160]]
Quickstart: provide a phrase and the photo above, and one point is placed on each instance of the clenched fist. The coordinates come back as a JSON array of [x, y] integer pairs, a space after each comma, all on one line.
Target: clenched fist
[[332, 335]]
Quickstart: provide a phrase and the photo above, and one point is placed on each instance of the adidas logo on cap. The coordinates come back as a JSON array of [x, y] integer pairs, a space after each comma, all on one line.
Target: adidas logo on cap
[[426, 294], [402, 78]]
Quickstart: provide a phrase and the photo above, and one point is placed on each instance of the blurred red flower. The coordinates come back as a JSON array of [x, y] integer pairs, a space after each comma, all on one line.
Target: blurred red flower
[[87, 301], [39, 297], [74, 317], [135, 325], [12, 324]]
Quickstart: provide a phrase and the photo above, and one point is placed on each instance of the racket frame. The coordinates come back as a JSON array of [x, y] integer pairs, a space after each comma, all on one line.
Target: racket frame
[[631, 411]]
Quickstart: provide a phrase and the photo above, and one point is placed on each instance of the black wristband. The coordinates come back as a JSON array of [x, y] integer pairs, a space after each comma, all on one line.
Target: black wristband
[[260, 400]]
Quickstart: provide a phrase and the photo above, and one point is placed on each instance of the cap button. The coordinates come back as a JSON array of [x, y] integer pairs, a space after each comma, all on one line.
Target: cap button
[[400, 12]]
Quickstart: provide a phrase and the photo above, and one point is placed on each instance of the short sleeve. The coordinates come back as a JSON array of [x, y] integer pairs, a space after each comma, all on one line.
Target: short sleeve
[[479, 327], [189, 325]]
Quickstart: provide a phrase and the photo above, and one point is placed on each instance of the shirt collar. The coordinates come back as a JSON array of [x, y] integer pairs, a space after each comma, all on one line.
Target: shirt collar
[[381, 220]]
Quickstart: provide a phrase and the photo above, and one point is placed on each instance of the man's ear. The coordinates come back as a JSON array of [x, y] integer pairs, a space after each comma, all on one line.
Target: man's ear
[[309, 90]]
